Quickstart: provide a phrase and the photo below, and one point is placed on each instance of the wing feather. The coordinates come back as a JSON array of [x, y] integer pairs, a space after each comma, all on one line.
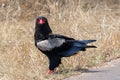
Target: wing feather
[[47, 45]]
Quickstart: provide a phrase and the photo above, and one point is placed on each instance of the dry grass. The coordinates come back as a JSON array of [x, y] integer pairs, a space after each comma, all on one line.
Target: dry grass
[[81, 19]]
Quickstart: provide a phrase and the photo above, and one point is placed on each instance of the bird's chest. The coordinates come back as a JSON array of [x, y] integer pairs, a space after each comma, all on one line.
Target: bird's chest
[[47, 45]]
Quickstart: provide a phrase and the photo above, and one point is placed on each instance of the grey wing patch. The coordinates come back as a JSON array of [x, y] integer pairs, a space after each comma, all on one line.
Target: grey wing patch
[[47, 45]]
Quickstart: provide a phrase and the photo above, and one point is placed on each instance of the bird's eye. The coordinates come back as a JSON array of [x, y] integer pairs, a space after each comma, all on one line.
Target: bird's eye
[[41, 21]]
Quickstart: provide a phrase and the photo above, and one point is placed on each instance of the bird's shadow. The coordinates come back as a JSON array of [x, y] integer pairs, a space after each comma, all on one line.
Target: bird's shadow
[[81, 70], [85, 70]]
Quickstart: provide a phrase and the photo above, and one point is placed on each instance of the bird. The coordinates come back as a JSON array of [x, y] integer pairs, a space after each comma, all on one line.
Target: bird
[[56, 46]]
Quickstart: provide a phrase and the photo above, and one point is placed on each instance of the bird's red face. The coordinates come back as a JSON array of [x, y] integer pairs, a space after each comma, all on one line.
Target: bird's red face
[[41, 21]]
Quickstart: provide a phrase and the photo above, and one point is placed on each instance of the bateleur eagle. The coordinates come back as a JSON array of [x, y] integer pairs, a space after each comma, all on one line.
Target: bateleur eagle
[[56, 46]]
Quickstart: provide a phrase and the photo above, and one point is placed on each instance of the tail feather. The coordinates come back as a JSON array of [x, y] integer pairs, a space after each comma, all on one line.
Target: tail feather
[[87, 41], [91, 47]]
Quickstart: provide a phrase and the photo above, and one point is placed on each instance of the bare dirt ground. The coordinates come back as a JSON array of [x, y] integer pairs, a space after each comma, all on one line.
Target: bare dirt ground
[[110, 71]]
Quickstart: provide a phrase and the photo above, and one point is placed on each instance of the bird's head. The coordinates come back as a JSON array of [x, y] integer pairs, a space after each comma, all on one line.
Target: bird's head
[[41, 20], [42, 26]]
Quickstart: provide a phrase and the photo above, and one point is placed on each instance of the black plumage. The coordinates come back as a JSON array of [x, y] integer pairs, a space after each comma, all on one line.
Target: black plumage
[[56, 46]]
